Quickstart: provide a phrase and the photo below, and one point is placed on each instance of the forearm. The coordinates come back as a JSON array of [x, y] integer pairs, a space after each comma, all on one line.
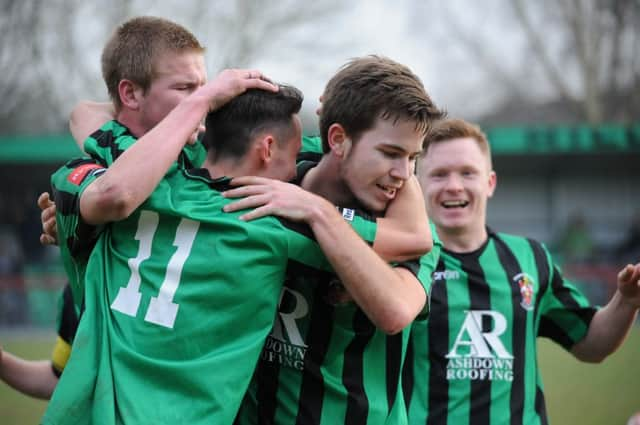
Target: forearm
[[135, 174], [87, 117], [607, 331], [394, 243], [33, 378], [404, 232], [390, 297]]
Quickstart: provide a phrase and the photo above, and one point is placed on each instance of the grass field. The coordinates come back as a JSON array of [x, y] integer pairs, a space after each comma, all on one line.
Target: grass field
[[576, 393]]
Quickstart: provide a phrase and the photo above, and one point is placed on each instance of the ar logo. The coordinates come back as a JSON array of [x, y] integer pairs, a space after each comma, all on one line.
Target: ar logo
[[292, 306], [476, 340]]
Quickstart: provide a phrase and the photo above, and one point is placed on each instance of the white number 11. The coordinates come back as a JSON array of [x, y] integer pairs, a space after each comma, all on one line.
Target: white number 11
[[162, 310]]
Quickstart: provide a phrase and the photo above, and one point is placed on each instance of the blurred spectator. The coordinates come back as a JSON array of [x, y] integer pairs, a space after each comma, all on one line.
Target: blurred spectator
[[628, 251], [27, 222], [575, 245], [13, 299]]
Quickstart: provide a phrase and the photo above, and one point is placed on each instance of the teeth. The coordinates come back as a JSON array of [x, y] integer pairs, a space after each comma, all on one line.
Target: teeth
[[453, 204], [386, 189]]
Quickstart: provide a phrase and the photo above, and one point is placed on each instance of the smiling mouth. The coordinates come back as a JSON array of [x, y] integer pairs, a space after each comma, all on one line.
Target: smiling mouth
[[390, 191], [455, 204]]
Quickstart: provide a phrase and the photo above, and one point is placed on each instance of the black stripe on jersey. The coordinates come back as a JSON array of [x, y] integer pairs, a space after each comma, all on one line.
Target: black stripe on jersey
[[549, 329], [106, 139], [479, 293], [542, 265], [511, 267], [68, 319], [80, 244], [66, 203], [408, 370], [394, 363], [438, 323], [319, 333], [585, 314], [353, 370], [267, 391], [540, 406]]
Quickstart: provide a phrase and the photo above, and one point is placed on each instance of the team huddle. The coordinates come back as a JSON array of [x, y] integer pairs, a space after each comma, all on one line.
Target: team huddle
[[251, 275]]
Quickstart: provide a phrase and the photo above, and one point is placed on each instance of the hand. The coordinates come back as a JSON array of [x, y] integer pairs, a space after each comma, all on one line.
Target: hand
[[49, 234], [629, 284], [233, 82], [273, 197]]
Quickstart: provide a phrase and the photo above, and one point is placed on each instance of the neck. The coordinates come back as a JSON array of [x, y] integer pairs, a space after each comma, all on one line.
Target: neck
[[228, 168], [127, 119], [324, 180], [462, 240]]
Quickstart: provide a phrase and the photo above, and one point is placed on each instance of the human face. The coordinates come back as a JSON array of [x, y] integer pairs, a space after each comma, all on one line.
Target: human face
[[283, 163], [376, 166], [457, 181], [176, 76]]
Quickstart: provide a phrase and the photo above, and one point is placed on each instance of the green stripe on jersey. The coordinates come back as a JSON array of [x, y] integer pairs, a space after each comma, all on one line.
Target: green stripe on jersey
[[487, 307]]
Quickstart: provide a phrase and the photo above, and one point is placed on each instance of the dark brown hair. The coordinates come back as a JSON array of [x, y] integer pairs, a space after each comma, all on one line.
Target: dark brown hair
[[373, 87]]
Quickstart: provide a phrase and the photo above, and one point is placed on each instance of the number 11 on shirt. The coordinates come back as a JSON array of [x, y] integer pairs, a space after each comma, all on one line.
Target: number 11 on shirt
[[162, 310]]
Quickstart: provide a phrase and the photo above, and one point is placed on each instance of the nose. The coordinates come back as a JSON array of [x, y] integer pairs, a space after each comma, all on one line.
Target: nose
[[402, 169], [453, 183]]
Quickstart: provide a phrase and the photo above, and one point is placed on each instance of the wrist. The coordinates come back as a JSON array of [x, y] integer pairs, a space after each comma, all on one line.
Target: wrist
[[321, 213], [626, 302]]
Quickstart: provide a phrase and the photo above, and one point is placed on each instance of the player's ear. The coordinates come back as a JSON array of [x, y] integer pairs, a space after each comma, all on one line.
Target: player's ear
[[130, 94], [265, 147], [493, 181], [338, 140]]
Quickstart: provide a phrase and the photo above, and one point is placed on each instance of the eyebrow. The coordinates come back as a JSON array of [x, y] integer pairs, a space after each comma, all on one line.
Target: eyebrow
[[401, 149]]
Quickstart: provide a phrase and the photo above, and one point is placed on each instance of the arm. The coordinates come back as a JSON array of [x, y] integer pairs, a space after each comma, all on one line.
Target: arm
[[34, 378], [404, 232], [126, 184], [611, 324], [391, 297], [87, 117]]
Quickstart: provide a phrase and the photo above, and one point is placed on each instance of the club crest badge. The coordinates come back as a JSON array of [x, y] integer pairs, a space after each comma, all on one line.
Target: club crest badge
[[525, 284]]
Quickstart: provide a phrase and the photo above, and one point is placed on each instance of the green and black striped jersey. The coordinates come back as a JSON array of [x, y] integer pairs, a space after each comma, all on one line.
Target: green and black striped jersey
[[474, 361], [325, 362], [179, 297]]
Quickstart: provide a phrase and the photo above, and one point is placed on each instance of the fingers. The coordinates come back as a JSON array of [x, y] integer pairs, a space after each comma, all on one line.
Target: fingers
[[47, 240], [48, 213], [262, 211], [243, 191], [44, 200], [248, 202], [249, 180], [259, 83], [254, 79], [625, 273], [630, 274]]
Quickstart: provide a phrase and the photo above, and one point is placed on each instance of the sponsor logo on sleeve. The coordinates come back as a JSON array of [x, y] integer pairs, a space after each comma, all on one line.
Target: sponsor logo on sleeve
[[78, 175]]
